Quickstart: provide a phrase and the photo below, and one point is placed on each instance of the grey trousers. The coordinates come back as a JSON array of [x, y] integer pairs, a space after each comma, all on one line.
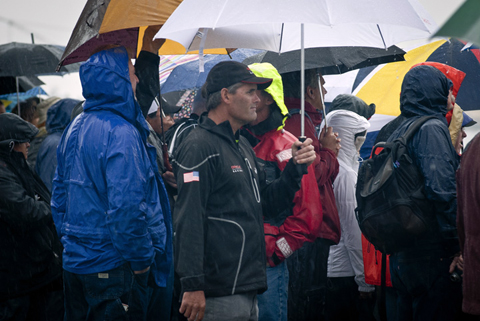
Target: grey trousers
[[238, 307]]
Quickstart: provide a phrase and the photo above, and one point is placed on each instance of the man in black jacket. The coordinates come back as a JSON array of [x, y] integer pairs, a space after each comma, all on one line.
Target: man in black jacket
[[219, 241]]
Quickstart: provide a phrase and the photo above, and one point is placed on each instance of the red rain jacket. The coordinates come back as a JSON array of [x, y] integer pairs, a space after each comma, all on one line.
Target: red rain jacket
[[326, 167], [303, 225]]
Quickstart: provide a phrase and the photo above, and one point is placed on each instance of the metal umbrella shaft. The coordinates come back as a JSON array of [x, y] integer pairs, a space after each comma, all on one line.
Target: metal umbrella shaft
[[302, 84], [322, 98]]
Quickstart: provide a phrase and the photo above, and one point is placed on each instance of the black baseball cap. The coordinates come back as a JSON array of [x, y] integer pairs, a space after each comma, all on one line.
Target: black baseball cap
[[227, 73]]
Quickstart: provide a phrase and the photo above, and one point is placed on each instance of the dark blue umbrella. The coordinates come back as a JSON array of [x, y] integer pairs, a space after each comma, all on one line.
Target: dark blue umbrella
[[188, 75]]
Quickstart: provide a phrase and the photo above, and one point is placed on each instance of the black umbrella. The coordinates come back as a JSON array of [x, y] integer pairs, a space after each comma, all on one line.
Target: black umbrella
[[8, 84], [329, 60], [23, 59]]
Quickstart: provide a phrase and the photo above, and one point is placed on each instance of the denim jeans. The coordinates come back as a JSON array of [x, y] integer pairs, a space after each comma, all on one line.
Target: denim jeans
[[425, 291], [237, 307], [272, 304], [116, 294], [160, 300]]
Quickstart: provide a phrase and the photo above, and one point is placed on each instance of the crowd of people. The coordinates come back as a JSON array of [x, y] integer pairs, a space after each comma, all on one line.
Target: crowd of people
[[113, 210]]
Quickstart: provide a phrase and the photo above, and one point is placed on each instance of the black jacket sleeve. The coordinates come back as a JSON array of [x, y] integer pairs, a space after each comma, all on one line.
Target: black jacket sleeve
[[278, 194], [17, 208], [146, 69]]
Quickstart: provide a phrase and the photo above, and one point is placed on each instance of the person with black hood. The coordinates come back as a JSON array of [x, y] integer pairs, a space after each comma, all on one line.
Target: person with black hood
[[421, 274], [30, 255], [58, 118]]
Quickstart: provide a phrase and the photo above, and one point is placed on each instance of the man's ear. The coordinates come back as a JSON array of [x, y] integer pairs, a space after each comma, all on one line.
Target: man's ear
[[225, 95], [310, 92], [269, 100]]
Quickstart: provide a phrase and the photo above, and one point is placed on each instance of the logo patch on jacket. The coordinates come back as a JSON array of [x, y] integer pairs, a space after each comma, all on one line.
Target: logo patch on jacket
[[284, 155], [237, 169], [191, 177]]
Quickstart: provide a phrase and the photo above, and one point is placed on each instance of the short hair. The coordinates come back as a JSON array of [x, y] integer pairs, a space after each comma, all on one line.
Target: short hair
[[215, 99], [27, 109], [291, 82]]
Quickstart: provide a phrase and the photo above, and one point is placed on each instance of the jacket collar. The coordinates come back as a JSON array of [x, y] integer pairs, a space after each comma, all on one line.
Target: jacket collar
[[223, 129]]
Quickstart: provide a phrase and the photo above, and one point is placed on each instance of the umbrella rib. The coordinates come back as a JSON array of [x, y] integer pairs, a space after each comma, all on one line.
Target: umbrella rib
[[381, 35]]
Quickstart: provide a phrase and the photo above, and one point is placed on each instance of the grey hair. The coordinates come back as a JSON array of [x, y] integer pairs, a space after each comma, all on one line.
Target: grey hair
[[215, 99]]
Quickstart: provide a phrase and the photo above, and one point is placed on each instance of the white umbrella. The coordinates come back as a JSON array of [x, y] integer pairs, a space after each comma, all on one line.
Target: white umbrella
[[276, 25]]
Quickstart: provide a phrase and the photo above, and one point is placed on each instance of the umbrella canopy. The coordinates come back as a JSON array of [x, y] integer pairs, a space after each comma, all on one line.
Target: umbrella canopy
[[23, 59], [329, 60], [8, 84], [12, 98], [382, 85], [464, 23], [285, 25], [119, 22], [274, 25], [188, 76], [168, 63]]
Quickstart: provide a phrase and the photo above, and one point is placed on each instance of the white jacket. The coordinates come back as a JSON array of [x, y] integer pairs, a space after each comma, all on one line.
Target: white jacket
[[346, 258]]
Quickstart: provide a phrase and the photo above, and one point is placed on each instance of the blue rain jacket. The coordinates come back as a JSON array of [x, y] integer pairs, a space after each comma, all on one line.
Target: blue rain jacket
[[424, 92], [58, 118], [109, 203]]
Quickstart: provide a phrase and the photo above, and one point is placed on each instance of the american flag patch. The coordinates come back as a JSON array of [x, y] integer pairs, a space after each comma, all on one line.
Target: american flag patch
[[191, 177]]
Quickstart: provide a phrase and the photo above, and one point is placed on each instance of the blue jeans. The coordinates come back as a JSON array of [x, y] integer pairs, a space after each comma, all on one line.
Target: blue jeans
[[160, 305], [425, 291], [272, 304], [116, 294]]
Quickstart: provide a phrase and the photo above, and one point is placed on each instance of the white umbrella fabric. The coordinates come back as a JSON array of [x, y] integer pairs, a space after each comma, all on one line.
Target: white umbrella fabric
[[286, 25]]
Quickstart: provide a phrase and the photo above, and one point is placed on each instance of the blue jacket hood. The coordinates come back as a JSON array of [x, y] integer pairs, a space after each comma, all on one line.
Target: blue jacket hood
[[106, 86], [106, 83], [58, 116], [424, 92]]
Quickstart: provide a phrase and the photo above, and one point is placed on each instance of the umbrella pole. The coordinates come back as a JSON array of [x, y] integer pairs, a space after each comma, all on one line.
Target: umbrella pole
[[322, 98], [302, 86], [18, 96]]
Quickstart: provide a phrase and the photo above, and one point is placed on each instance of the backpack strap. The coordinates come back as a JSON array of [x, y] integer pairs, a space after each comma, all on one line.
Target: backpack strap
[[297, 111], [415, 126]]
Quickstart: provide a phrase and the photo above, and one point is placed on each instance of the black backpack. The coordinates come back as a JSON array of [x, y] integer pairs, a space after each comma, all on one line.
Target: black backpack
[[392, 209]]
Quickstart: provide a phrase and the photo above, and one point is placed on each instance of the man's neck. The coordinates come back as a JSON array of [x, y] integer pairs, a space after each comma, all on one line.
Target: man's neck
[[218, 116]]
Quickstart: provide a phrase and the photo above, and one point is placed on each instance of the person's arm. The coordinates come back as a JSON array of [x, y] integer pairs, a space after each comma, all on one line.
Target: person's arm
[[16, 207], [279, 194], [58, 201], [437, 160], [127, 178], [192, 158], [146, 69], [300, 227]]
